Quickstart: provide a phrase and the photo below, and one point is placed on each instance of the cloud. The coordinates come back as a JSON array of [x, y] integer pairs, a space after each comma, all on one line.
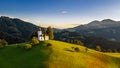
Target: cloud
[[64, 12], [59, 26]]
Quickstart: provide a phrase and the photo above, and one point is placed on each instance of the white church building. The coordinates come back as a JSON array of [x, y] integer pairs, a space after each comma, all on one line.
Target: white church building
[[41, 36]]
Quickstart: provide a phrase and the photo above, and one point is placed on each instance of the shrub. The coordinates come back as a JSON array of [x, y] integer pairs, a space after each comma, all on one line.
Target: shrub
[[72, 47], [35, 41], [49, 44], [27, 46], [3, 43], [98, 48], [86, 49], [77, 49]]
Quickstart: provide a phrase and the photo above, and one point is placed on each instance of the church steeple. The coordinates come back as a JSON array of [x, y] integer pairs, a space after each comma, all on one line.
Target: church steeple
[[39, 29]]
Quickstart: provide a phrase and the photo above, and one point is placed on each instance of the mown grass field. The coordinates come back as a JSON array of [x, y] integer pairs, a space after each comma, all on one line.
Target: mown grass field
[[59, 55]]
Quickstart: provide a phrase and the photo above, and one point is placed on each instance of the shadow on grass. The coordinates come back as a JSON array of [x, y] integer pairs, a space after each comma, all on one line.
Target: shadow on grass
[[67, 49], [115, 61], [18, 57]]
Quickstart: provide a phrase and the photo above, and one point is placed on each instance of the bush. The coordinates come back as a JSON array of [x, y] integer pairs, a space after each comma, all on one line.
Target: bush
[[49, 44], [3, 43], [72, 47], [35, 41], [77, 49], [78, 42], [98, 48], [27, 46], [86, 49]]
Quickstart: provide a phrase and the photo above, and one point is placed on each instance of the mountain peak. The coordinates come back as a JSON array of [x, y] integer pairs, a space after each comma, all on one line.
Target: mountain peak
[[94, 22], [107, 20]]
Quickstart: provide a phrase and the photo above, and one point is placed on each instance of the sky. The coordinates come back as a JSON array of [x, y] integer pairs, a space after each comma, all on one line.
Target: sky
[[61, 13]]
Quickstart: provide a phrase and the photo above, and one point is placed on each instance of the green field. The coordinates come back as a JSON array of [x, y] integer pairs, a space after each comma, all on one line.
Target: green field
[[59, 55]]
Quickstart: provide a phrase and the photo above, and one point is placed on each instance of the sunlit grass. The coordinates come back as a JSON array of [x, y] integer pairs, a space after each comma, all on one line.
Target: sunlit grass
[[114, 54], [59, 55], [62, 58]]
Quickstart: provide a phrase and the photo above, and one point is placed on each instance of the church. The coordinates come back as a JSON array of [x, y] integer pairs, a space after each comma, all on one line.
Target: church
[[41, 36]]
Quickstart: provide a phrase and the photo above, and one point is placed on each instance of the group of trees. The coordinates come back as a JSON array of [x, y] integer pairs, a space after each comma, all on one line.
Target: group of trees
[[10, 38], [78, 42], [99, 48]]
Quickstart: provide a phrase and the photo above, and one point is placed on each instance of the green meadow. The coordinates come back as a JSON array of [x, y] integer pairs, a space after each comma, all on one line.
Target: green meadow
[[59, 55]]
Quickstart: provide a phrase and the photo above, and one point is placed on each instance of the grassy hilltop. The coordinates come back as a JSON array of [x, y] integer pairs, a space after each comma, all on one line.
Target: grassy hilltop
[[59, 55]]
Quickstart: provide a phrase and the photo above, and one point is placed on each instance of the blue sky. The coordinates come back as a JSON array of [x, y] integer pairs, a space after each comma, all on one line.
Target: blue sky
[[61, 12]]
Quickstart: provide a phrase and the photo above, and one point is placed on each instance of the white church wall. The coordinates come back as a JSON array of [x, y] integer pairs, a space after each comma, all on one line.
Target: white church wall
[[46, 37]]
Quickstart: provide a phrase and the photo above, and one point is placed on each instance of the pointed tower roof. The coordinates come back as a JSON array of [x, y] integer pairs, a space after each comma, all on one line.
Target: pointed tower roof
[[39, 29]]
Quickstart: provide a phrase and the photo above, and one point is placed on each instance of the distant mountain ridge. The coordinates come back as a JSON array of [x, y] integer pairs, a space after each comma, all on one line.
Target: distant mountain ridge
[[106, 28], [100, 24], [16, 28]]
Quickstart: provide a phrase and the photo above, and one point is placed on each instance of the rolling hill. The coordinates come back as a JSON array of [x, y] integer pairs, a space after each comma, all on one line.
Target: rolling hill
[[59, 55]]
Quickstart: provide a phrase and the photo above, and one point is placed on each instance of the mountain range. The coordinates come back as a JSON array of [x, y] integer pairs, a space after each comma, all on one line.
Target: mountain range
[[107, 28]]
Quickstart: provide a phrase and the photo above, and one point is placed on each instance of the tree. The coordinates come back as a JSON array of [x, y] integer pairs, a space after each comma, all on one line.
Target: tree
[[80, 43], [71, 41], [50, 32], [98, 48], [44, 32]]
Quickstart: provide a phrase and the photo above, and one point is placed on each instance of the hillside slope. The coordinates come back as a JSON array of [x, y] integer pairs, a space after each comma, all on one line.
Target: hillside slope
[[89, 41], [16, 28], [59, 55]]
